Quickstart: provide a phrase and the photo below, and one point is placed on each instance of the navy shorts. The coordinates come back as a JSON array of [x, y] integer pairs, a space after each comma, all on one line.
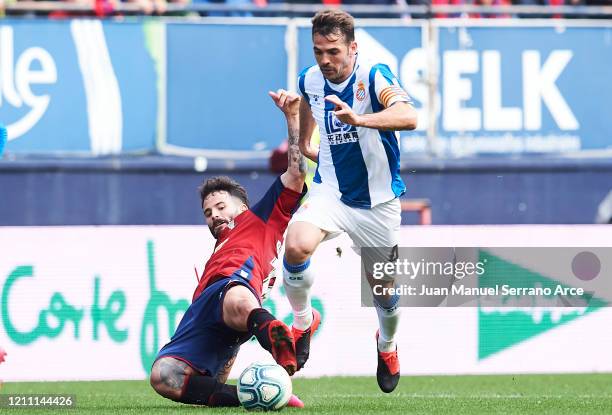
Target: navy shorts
[[202, 339]]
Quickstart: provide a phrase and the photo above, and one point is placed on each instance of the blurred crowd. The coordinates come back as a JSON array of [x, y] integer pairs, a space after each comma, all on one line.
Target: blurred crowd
[[161, 7]]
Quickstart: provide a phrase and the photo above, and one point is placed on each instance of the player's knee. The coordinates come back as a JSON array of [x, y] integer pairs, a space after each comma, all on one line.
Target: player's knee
[[301, 241], [384, 281], [238, 303], [298, 251], [160, 384], [156, 382], [241, 310]]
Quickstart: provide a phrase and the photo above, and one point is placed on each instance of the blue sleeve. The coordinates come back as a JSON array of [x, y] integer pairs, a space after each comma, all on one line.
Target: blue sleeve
[[386, 73], [265, 206], [388, 76], [302, 82], [278, 196]]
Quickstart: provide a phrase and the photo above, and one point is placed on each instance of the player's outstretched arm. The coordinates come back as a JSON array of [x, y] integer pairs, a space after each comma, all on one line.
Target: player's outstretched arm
[[289, 104], [307, 126], [398, 116]]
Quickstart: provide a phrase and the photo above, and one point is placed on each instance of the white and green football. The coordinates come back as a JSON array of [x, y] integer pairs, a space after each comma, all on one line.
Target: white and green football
[[264, 386]]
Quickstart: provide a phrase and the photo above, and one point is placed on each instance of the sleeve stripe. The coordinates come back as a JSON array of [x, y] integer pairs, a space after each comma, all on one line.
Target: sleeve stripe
[[385, 94], [393, 89], [397, 98], [388, 94]]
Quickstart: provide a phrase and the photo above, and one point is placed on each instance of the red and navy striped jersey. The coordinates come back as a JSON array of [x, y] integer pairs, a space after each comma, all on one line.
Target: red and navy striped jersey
[[249, 245]]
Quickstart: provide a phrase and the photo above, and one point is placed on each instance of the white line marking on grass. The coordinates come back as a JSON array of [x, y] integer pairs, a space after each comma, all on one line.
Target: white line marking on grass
[[455, 396]]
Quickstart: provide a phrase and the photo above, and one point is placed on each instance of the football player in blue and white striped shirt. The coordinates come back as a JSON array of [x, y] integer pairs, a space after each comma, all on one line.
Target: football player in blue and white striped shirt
[[357, 106]]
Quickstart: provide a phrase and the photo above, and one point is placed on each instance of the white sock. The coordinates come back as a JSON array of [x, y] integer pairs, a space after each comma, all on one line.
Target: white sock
[[388, 320], [297, 280]]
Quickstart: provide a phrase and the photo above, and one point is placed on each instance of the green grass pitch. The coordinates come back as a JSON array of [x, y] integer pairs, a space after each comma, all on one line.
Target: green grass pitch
[[457, 395]]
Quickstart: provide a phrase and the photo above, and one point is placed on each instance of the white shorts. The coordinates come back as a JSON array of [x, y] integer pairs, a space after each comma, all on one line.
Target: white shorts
[[375, 227]]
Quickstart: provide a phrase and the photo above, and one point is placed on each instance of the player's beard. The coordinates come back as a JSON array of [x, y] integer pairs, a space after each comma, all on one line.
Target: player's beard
[[213, 226], [335, 74]]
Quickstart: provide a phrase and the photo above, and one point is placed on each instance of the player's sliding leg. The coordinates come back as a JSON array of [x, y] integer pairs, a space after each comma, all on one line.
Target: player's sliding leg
[[302, 239], [174, 379], [242, 312]]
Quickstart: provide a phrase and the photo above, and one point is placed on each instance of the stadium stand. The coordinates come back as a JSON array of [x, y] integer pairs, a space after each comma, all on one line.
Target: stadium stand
[[304, 8]]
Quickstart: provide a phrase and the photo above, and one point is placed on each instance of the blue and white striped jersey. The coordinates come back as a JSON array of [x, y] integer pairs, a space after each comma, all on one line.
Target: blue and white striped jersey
[[360, 164]]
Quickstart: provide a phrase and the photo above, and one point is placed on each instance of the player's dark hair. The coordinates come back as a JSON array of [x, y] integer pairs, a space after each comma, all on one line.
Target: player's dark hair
[[332, 22], [225, 183]]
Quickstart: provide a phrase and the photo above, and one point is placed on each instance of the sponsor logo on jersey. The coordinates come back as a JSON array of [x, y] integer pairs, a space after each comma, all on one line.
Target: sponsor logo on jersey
[[339, 132], [342, 138], [334, 125]]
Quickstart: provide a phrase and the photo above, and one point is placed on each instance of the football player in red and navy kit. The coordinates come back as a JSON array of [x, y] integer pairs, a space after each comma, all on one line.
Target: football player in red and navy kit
[[226, 307]]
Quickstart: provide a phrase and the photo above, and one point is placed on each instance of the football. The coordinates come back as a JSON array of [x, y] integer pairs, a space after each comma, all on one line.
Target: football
[[264, 386]]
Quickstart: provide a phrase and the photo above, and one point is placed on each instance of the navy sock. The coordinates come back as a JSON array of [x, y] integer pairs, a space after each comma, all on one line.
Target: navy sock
[[206, 390], [257, 324]]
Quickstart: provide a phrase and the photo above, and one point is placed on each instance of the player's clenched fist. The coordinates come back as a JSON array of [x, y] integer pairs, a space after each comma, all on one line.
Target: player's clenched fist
[[288, 102]]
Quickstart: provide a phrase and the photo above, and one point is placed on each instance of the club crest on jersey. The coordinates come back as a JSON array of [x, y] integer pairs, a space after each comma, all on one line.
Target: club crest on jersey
[[360, 94]]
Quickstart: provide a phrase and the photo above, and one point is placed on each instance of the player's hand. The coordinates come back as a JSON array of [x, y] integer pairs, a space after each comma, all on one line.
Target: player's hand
[[288, 102], [343, 111]]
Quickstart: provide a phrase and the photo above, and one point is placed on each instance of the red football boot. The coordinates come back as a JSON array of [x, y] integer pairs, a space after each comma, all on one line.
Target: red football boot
[[302, 339], [283, 346], [388, 371]]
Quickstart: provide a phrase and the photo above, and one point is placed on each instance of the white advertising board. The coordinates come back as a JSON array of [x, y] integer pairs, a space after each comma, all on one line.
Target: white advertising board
[[98, 302]]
